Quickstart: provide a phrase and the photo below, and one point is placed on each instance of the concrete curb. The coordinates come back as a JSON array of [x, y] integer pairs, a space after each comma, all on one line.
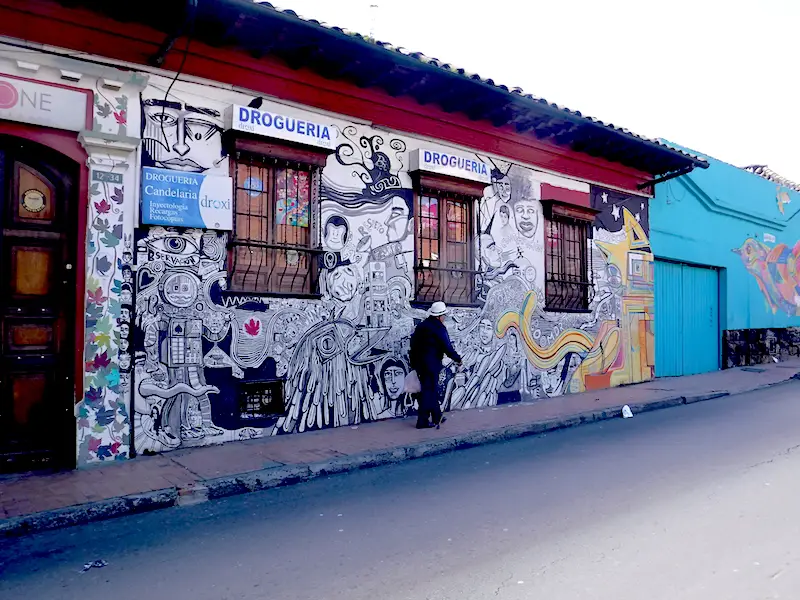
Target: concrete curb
[[87, 513], [284, 475]]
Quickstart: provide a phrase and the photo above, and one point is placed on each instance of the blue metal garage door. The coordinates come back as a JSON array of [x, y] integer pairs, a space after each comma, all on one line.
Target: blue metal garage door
[[687, 319]]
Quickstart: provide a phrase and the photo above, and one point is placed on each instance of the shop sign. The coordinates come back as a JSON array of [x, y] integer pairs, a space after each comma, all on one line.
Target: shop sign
[[450, 163], [38, 103], [273, 123], [180, 199]]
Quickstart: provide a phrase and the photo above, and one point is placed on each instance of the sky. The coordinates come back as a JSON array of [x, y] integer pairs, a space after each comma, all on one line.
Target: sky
[[721, 77]]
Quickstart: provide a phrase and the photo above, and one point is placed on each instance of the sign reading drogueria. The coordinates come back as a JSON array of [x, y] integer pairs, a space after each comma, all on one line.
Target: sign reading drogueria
[[180, 199], [450, 163], [269, 121]]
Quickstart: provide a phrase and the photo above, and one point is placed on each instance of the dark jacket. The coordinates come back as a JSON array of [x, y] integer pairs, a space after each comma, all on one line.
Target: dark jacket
[[429, 343]]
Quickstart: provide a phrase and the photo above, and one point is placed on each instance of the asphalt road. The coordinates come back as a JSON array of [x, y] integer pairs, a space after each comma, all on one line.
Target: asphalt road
[[694, 502]]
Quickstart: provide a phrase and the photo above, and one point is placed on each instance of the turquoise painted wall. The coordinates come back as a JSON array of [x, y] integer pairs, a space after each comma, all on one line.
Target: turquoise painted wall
[[704, 216]]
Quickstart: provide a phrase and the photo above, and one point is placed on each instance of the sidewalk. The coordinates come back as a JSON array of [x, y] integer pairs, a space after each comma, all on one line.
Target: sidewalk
[[35, 502]]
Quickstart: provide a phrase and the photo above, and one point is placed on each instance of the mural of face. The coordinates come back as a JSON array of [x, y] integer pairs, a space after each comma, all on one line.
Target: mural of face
[[393, 379], [485, 332], [552, 381], [336, 231], [343, 282], [180, 289], [526, 213], [513, 341], [181, 137], [398, 223], [502, 188], [505, 215], [492, 255]]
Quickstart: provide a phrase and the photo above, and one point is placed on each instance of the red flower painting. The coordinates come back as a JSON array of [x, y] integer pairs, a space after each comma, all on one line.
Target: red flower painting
[[252, 327]]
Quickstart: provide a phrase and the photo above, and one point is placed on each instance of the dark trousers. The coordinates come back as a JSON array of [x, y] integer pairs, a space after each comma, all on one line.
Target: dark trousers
[[429, 399]]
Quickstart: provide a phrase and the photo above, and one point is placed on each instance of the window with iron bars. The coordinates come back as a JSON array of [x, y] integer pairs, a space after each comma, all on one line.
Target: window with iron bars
[[445, 260], [274, 244], [568, 269]]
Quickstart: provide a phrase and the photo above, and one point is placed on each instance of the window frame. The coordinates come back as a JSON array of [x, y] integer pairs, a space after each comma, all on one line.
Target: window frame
[[568, 215], [274, 156], [446, 188]]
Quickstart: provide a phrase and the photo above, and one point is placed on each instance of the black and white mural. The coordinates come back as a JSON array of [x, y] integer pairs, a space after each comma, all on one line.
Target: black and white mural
[[342, 359]]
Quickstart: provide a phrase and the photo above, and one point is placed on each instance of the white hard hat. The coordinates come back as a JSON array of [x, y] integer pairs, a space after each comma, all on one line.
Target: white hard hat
[[437, 309]]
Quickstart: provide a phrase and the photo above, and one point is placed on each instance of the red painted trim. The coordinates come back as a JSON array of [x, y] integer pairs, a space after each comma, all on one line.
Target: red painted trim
[[81, 30], [88, 93], [66, 143], [552, 192], [80, 276]]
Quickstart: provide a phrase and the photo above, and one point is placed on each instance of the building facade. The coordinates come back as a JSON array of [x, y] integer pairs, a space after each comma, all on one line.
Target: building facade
[[725, 245], [248, 253]]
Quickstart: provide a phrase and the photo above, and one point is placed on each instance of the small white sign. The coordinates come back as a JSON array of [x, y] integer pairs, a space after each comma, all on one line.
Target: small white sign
[[769, 238], [39, 103], [269, 122], [450, 163]]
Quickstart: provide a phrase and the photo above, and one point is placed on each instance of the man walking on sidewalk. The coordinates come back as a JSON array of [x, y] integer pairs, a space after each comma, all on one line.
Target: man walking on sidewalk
[[429, 343]]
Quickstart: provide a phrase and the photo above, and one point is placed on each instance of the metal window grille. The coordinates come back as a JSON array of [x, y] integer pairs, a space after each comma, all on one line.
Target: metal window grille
[[261, 399], [275, 238], [568, 285], [445, 265]]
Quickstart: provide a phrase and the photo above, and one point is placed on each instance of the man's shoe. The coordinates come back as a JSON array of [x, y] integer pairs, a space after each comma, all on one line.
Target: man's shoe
[[426, 426]]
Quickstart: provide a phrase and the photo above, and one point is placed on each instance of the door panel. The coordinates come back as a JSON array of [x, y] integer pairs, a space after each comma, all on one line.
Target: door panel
[[700, 320], [669, 316], [687, 319], [34, 335], [35, 198], [31, 270], [36, 308]]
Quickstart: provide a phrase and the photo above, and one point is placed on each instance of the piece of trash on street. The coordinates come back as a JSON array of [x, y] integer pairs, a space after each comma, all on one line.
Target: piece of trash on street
[[97, 564], [626, 412], [354, 427], [775, 358]]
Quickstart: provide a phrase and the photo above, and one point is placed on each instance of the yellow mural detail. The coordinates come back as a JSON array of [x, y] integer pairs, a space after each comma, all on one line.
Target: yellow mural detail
[[622, 350], [782, 196], [542, 358]]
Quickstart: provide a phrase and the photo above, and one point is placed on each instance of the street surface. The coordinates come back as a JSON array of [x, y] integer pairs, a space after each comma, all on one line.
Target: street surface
[[697, 503]]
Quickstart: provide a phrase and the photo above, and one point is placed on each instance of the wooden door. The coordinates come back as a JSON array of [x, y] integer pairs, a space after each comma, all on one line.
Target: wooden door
[[36, 306]]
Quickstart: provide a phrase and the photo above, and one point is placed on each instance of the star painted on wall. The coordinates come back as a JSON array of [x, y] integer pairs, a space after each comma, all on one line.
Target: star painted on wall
[[641, 206], [638, 218], [615, 212], [604, 196], [635, 242]]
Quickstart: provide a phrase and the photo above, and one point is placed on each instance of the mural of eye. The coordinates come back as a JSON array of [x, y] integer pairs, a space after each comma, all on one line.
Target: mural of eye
[[200, 130], [175, 248], [163, 118], [175, 244]]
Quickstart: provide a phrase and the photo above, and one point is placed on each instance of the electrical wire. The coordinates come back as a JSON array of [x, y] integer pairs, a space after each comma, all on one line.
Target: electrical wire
[[189, 34]]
